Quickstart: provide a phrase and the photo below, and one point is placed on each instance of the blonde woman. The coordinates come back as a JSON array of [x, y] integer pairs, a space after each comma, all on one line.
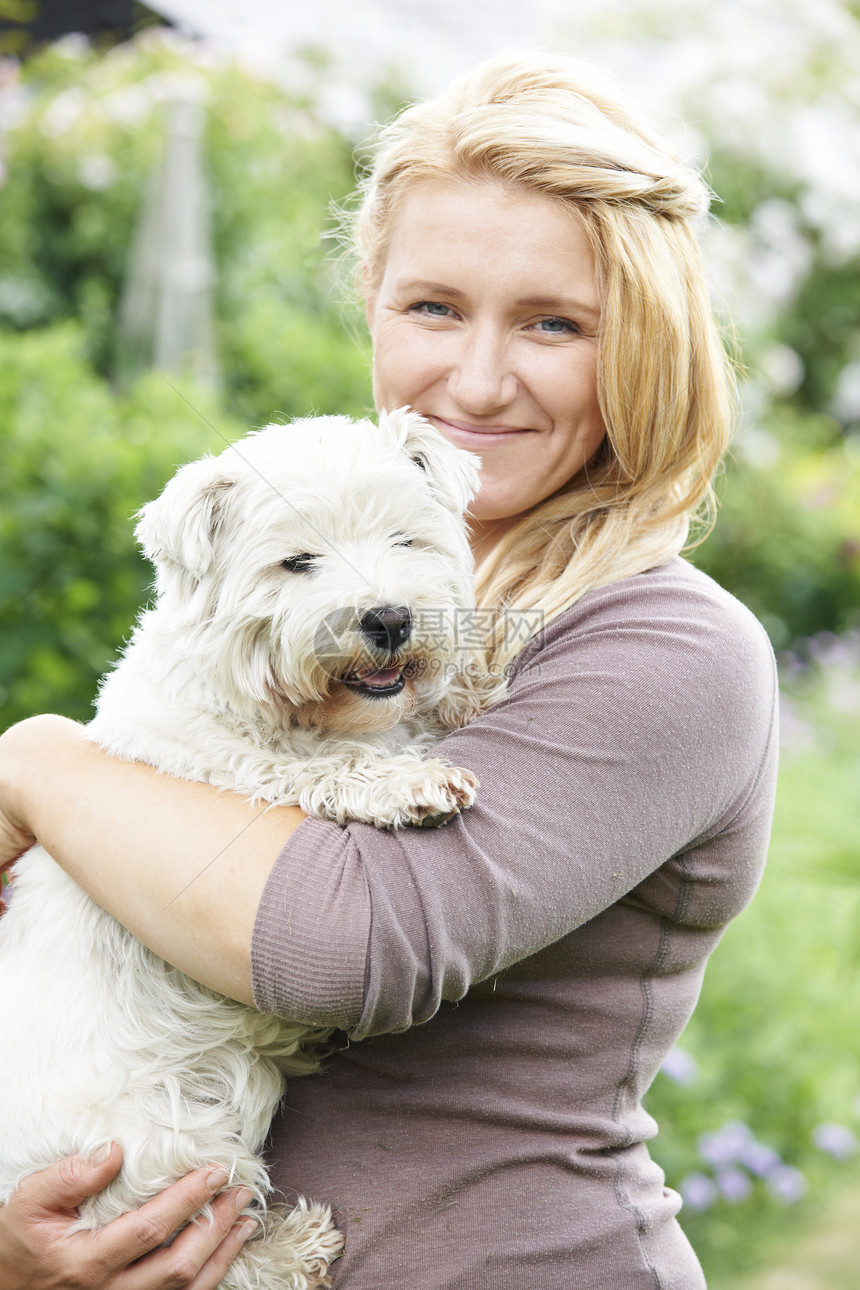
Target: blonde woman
[[507, 986]]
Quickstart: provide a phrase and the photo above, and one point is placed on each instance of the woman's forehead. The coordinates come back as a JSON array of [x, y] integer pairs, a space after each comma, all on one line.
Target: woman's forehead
[[449, 235]]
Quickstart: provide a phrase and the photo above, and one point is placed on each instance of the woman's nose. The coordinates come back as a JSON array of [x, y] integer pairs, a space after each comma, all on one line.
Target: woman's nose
[[481, 379]]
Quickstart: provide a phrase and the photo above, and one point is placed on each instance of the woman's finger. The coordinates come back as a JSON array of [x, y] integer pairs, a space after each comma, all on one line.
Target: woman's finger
[[204, 1249], [215, 1268], [60, 1189], [14, 841], [142, 1230], [15, 836]]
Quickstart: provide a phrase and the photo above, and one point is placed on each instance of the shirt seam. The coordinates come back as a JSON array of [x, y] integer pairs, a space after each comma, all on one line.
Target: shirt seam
[[667, 925]]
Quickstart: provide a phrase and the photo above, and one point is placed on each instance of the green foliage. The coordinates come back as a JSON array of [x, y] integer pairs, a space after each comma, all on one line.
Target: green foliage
[[787, 540], [90, 134], [78, 464], [283, 342], [741, 184], [775, 1032], [824, 328], [75, 172], [287, 362]]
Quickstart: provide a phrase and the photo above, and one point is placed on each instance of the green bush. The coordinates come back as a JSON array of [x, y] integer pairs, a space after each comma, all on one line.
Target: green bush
[[78, 463], [787, 539], [90, 133]]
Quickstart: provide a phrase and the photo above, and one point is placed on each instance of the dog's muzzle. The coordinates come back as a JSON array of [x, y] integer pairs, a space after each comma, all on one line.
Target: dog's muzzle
[[386, 629]]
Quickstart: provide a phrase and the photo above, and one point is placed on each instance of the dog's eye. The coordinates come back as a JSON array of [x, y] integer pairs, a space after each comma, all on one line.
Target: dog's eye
[[299, 563], [404, 542]]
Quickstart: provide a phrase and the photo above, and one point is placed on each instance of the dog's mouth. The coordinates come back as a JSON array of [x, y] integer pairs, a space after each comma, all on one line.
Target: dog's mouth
[[378, 682]]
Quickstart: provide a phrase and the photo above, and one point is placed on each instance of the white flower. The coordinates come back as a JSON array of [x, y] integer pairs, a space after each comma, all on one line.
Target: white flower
[[782, 367], [126, 106], [97, 171], [64, 112]]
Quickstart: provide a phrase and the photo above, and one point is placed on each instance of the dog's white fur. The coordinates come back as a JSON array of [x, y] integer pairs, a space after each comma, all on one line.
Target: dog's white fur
[[245, 674]]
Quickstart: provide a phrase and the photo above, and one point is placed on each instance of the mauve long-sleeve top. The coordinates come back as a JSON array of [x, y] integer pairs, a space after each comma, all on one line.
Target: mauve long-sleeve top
[[509, 985]]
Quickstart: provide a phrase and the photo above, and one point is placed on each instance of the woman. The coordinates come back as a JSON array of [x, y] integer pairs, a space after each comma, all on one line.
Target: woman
[[533, 286]]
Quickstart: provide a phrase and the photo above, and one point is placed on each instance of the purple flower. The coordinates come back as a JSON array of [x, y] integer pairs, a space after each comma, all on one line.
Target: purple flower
[[796, 734], [680, 1066], [698, 1191], [827, 649], [760, 1159], [734, 1184], [836, 1140], [726, 1145], [786, 1184]]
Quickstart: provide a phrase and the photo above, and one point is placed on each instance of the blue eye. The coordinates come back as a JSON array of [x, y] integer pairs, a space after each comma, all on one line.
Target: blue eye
[[557, 327], [433, 309]]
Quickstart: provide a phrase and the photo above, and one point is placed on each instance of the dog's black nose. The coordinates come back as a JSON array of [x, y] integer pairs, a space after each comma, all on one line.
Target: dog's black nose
[[387, 628]]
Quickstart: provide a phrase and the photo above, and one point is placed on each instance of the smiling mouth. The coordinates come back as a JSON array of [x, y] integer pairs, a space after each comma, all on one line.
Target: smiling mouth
[[376, 683], [484, 432]]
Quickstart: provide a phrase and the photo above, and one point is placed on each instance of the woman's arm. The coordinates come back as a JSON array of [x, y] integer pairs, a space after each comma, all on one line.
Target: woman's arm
[[182, 865], [637, 729]]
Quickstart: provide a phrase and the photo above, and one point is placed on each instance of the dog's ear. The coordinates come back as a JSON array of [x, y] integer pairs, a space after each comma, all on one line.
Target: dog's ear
[[453, 473], [179, 529]]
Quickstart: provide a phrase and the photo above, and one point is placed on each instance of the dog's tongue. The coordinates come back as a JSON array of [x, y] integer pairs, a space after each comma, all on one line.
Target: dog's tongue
[[381, 678]]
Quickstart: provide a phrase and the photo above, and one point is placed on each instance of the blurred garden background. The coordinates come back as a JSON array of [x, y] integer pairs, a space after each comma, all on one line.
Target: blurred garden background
[[193, 167]]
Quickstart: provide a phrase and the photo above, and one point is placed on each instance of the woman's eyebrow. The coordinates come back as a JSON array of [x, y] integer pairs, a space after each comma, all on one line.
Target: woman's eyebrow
[[560, 304], [432, 288], [552, 304]]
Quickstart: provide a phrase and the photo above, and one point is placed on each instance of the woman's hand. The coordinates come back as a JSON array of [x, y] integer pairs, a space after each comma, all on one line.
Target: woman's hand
[[14, 840], [38, 1253], [15, 837]]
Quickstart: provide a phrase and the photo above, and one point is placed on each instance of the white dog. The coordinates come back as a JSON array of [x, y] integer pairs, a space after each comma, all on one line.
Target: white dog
[[302, 648]]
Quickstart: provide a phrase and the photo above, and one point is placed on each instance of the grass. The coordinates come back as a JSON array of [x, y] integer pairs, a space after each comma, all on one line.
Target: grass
[[776, 1037], [823, 1255]]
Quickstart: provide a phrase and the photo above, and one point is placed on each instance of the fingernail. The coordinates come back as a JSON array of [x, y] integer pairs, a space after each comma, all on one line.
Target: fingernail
[[100, 1155], [217, 1178], [247, 1230], [242, 1197]]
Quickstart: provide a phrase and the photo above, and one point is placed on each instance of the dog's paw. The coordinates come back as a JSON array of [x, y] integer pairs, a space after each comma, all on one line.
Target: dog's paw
[[441, 793], [392, 793], [292, 1249]]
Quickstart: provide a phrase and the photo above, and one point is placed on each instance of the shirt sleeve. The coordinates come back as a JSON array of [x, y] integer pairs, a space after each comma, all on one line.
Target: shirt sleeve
[[634, 727]]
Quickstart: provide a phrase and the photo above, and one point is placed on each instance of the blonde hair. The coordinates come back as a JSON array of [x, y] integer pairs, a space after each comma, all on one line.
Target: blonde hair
[[665, 383]]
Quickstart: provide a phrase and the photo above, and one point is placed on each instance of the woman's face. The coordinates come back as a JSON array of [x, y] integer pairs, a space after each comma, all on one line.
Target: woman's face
[[485, 320]]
